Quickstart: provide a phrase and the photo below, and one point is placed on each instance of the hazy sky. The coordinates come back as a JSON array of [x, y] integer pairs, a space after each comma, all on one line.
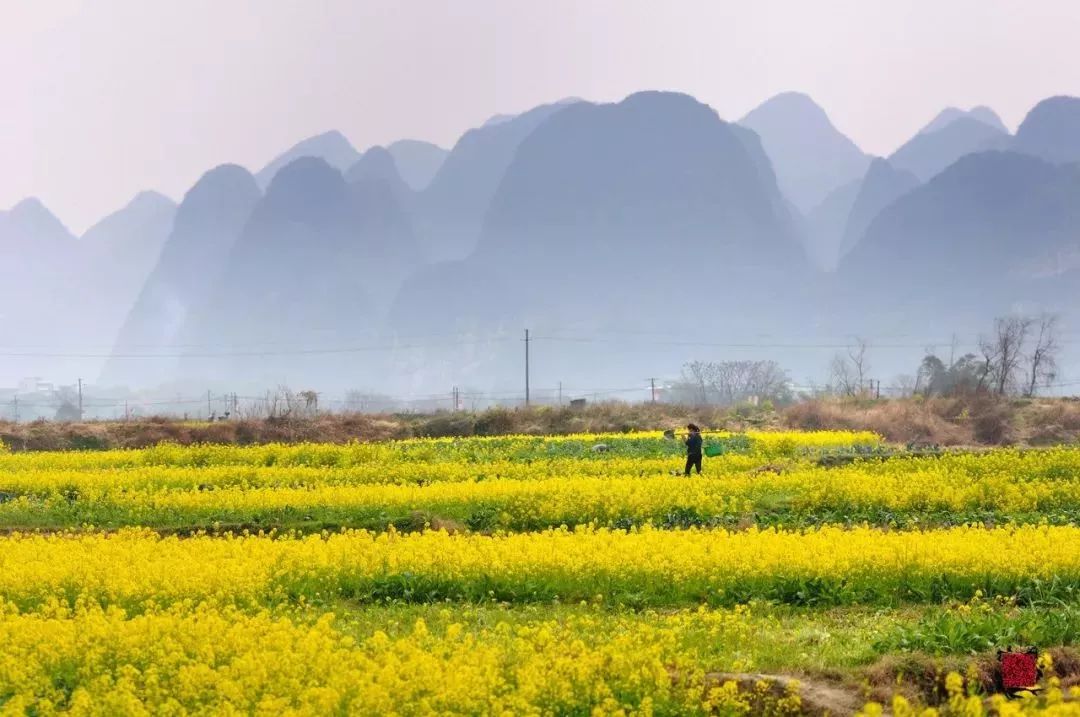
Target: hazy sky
[[107, 97]]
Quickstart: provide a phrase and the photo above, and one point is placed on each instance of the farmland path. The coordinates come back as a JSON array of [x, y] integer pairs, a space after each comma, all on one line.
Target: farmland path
[[820, 698]]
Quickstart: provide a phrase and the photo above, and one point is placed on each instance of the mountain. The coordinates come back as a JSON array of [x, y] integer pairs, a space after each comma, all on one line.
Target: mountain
[[751, 142], [690, 177], [981, 113], [417, 161], [73, 294], [1051, 130], [811, 157], [881, 186], [825, 224], [478, 310], [120, 251], [330, 146], [497, 119], [38, 251], [190, 265], [34, 218], [41, 262], [30, 230], [37, 246], [450, 211], [606, 208], [976, 241], [131, 238], [927, 153], [650, 212], [311, 268], [377, 166]]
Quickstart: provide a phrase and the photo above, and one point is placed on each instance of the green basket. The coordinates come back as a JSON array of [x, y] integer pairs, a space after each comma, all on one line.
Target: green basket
[[714, 450]]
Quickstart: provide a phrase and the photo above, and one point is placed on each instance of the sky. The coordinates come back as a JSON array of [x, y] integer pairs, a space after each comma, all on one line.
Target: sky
[[105, 98]]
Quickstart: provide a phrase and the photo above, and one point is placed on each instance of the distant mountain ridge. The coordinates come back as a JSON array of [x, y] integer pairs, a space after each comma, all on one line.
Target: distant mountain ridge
[[377, 166], [619, 212], [982, 113], [929, 152], [966, 244], [825, 225], [810, 156], [882, 185], [332, 147], [190, 267], [574, 219], [39, 252], [316, 258], [451, 209], [615, 213], [417, 161], [1051, 130]]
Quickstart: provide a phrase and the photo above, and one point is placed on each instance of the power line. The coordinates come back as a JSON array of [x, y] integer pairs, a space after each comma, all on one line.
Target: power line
[[251, 354], [269, 342], [745, 345], [595, 338]]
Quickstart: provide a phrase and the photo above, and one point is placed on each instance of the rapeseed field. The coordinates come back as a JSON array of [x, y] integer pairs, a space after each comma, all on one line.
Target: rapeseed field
[[535, 575]]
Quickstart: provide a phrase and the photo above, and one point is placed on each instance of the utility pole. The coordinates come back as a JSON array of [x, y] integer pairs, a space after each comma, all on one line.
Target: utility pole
[[560, 393], [652, 390], [80, 400], [209, 408], [457, 400], [127, 413], [526, 368]]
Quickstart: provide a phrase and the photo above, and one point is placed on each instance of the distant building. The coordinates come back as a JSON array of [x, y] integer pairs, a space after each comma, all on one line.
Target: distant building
[[34, 385]]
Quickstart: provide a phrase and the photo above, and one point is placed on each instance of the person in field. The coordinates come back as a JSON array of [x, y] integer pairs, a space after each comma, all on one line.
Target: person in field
[[693, 448]]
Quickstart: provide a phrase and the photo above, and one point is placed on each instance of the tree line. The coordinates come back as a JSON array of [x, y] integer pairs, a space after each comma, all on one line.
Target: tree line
[[1018, 357]]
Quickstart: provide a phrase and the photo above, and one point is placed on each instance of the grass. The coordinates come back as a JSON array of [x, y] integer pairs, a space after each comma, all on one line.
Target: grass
[[754, 638], [869, 651]]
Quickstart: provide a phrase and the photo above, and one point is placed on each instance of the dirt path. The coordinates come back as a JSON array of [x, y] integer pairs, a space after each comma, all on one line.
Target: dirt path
[[817, 697]]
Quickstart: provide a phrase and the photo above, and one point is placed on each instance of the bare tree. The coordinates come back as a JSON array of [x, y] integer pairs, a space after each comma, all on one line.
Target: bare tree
[[696, 374], [730, 382], [857, 356], [1003, 352], [905, 385], [768, 380], [357, 401], [737, 381], [988, 361], [311, 402], [848, 370], [842, 375], [1042, 363]]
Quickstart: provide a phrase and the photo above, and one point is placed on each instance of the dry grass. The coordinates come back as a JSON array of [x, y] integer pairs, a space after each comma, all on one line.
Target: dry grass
[[972, 420], [342, 428], [921, 678], [944, 422]]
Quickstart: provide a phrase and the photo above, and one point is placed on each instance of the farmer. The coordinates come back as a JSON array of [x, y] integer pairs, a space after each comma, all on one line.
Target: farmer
[[693, 448]]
